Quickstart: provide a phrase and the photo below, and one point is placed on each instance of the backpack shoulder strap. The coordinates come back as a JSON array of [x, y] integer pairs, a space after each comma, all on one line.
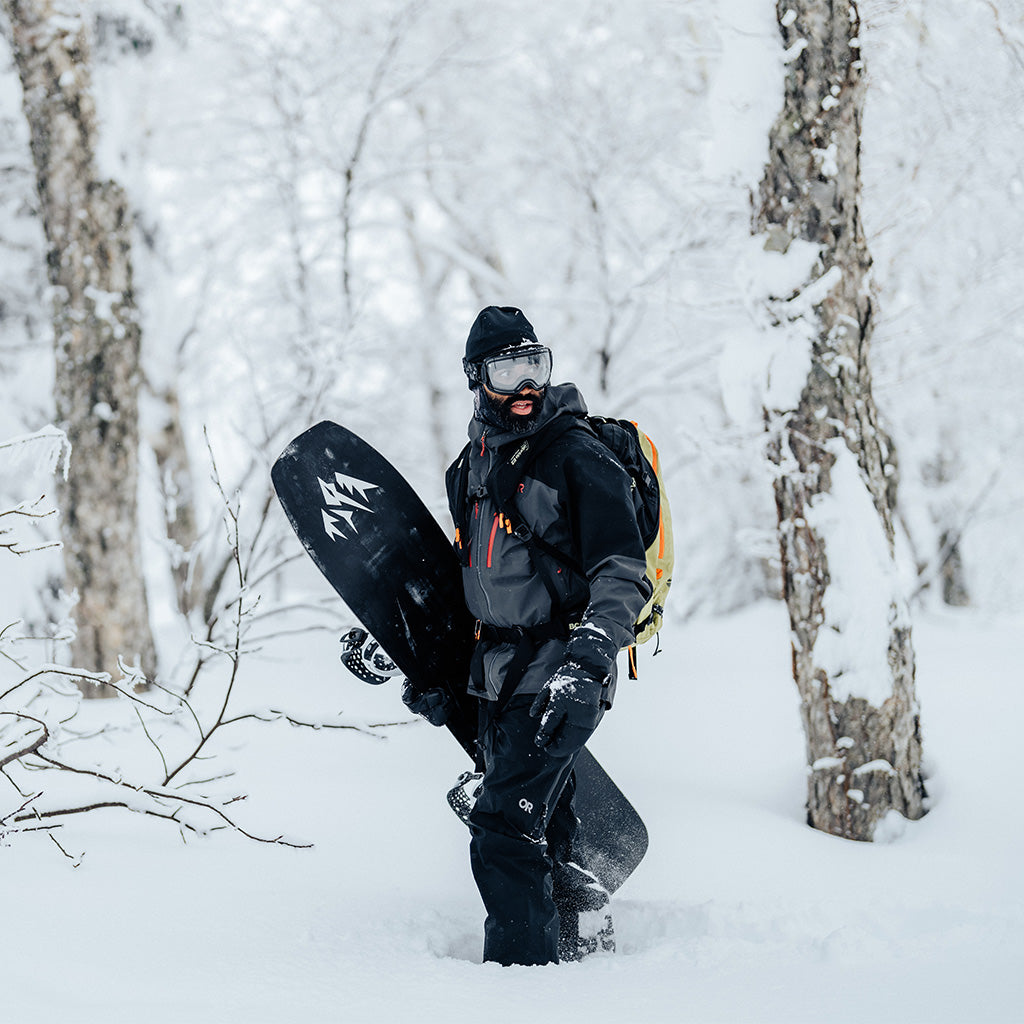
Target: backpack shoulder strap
[[503, 484], [456, 481], [504, 481]]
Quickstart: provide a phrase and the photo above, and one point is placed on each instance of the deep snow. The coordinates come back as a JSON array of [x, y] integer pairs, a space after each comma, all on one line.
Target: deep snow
[[739, 912]]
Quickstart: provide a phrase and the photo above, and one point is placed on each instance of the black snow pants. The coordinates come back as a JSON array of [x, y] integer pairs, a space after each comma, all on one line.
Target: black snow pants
[[523, 826]]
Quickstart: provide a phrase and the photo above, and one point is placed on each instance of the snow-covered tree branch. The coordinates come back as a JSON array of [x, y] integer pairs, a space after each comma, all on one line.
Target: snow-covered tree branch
[[57, 769]]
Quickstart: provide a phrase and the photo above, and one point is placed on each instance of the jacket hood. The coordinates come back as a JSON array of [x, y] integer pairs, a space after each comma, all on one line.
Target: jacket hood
[[559, 400]]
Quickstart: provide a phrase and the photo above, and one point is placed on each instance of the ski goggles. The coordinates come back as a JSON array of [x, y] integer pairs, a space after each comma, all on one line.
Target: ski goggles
[[509, 372]]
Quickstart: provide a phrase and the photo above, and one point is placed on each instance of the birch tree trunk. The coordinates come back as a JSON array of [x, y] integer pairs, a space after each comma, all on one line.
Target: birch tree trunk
[[166, 437], [97, 336], [853, 659]]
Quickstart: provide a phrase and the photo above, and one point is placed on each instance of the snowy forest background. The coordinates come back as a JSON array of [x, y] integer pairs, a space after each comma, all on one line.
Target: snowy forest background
[[324, 194]]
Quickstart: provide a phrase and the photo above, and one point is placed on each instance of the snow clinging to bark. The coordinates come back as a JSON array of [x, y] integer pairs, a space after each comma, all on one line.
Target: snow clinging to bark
[[863, 595]]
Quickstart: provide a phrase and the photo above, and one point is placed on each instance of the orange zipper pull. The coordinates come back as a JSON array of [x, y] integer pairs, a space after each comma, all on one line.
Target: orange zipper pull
[[490, 543]]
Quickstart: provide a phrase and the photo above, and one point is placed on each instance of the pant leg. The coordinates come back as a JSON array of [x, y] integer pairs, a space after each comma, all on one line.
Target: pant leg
[[522, 786], [576, 890], [561, 835], [561, 830]]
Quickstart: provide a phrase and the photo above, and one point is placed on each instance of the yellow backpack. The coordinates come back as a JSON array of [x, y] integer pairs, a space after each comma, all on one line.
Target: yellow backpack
[[639, 455]]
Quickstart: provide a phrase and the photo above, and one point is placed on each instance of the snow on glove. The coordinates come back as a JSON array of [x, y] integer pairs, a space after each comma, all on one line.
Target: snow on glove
[[433, 705], [363, 657], [591, 647], [569, 708]]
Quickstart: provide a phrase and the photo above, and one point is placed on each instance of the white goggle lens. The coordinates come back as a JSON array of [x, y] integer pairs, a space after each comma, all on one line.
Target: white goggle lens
[[508, 374]]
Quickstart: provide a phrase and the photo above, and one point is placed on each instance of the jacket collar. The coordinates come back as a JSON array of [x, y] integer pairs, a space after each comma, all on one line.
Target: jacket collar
[[559, 400]]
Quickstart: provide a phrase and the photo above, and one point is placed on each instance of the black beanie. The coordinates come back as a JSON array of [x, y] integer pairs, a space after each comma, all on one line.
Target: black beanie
[[495, 329]]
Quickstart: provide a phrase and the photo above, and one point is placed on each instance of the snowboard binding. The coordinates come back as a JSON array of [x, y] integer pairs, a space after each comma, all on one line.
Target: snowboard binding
[[363, 657], [584, 919], [462, 796], [595, 934]]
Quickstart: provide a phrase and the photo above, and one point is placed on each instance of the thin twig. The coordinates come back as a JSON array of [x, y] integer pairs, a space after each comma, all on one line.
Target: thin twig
[[280, 716], [235, 652], [33, 747], [153, 742], [183, 700], [57, 670], [159, 795], [19, 810]]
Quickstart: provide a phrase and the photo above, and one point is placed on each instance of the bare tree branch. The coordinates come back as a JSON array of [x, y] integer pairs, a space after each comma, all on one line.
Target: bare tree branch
[[155, 793], [33, 746]]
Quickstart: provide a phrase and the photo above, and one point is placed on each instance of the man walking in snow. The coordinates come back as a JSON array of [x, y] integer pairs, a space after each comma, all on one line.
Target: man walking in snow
[[554, 575]]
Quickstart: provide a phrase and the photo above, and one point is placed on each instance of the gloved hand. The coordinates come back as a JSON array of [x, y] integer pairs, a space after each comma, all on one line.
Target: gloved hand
[[569, 708], [433, 705], [363, 657]]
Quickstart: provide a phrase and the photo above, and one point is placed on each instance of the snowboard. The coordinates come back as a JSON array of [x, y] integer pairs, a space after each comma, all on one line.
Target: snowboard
[[392, 564]]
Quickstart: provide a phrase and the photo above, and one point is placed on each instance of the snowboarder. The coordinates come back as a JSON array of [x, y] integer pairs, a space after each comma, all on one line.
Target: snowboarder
[[555, 580]]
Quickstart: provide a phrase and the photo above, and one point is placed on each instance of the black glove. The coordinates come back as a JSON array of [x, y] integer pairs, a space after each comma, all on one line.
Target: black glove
[[569, 708], [433, 705], [363, 657]]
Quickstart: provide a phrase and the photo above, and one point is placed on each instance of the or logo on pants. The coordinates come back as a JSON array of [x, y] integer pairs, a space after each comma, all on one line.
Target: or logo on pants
[[525, 805]]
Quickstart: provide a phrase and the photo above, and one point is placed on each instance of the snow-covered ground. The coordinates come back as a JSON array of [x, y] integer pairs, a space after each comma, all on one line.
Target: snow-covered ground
[[739, 912]]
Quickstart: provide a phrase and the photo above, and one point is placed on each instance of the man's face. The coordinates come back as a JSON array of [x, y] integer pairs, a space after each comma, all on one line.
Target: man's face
[[520, 404], [516, 412]]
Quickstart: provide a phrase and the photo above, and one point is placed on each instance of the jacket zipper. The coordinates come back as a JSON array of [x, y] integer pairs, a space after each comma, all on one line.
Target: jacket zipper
[[490, 542], [477, 535], [469, 552]]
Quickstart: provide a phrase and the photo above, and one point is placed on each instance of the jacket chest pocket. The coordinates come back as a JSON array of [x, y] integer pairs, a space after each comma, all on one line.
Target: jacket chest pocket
[[498, 549]]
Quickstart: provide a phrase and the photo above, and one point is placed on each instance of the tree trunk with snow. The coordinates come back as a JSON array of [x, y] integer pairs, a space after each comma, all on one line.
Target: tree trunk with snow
[[853, 659], [87, 225], [166, 437]]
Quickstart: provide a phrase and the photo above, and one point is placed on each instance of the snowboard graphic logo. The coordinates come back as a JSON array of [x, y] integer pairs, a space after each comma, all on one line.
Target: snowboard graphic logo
[[342, 499]]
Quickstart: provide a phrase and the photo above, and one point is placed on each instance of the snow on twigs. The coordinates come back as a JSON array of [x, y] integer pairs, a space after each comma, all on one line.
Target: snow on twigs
[[39, 453]]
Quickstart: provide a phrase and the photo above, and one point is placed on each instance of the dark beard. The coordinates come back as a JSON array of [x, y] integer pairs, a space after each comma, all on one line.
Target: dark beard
[[497, 412]]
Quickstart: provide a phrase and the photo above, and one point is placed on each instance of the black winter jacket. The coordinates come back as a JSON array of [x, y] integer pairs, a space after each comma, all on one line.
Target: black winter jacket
[[576, 497]]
